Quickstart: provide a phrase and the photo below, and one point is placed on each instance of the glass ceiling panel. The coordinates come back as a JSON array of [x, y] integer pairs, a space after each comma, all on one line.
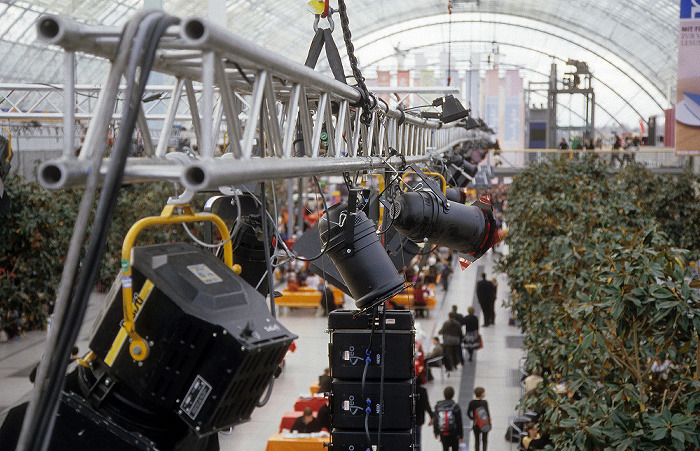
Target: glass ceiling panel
[[641, 33]]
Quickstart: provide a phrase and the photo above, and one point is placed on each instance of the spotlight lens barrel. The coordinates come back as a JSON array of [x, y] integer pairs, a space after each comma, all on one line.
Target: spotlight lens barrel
[[419, 216], [363, 263]]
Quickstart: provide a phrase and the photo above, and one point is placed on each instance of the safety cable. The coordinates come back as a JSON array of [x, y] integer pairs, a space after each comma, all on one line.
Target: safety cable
[[325, 212]]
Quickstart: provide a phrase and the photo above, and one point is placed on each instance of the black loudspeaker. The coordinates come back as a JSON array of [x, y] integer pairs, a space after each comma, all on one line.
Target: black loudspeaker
[[214, 346], [351, 242], [360, 393], [348, 405], [357, 440], [350, 338]]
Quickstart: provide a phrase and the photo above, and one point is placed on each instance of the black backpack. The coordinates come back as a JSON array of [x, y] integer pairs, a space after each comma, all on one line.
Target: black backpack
[[445, 419]]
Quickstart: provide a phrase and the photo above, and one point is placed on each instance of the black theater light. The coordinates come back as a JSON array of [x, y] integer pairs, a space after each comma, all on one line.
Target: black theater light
[[469, 123], [214, 346], [452, 110], [427, 216], [351, 242]]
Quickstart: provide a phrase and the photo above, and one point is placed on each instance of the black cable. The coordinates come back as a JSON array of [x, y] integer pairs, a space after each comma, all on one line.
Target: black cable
[[151, 26], [243, 74], [325, 212], [368, 359], [381, 380]]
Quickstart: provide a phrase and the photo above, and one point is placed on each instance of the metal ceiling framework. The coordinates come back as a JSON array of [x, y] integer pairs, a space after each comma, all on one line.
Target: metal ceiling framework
[[643, 34], [542, 75]]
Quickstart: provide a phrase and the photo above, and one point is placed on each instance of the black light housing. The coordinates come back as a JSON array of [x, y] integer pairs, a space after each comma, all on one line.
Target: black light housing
[[452, 109], [469, 123], [425, 216], [352, 244]]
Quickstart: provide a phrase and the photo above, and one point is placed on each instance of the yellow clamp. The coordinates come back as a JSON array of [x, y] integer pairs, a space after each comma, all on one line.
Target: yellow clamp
[[139, 348], [441, 179]]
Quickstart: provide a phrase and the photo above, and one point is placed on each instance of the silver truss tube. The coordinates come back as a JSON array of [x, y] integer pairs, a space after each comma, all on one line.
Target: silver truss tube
[[199, 33], [142, 124], [69, 104], [71, 35], [210, 175], [64, 173], [169, 118]]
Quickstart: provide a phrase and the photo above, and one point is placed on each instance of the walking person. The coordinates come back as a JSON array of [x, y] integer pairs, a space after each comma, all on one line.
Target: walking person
[[471, 340], [447, 422], [486, 295], [451, 332], [478, 411], [422, 406]]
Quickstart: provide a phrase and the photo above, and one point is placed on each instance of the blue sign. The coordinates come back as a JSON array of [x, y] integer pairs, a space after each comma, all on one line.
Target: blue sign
[[690, 9]]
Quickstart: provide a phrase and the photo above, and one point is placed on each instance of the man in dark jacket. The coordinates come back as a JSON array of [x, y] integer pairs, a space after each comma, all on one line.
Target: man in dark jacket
[[451, 332], [422, 406], [486, 295], [306, 423]]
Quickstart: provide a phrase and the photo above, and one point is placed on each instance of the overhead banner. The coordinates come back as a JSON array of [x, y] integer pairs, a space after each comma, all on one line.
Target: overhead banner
[[688, 87]]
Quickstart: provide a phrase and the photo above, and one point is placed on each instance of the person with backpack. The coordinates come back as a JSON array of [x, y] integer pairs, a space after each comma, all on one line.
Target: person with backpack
[[478, 411], [447, 422]]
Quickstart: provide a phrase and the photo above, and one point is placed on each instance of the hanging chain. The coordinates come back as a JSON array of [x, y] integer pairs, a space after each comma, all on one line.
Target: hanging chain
[[368, 101]]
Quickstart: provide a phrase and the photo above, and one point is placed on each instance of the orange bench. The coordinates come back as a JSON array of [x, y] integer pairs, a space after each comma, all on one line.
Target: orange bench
[[307, 297], [407, 299]]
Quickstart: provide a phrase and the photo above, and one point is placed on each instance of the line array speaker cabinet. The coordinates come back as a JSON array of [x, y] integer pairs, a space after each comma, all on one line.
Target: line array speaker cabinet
[[359, 397]]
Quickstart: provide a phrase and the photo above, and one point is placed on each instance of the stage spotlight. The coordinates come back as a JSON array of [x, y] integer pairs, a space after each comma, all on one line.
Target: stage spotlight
[[423, 216], [246, 236], [469, 123], [452, 109], [214, 344], [455, 195], [351, 242]]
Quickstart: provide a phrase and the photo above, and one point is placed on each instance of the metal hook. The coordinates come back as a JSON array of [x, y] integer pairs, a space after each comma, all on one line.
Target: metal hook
[[317, 18]]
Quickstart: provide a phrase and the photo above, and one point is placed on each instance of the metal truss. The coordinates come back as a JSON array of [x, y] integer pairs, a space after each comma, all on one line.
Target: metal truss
[[230, 88]]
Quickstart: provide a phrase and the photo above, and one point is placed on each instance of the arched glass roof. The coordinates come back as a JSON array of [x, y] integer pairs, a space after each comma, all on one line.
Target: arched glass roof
[[629, 45]]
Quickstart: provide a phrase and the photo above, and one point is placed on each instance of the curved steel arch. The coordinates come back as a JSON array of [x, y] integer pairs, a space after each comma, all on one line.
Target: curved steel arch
[[610, 115], [573, 27], [653, 98], [518, 46]]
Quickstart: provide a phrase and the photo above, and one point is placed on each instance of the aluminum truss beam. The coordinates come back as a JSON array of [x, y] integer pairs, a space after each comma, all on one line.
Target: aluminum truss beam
[[231, 88]]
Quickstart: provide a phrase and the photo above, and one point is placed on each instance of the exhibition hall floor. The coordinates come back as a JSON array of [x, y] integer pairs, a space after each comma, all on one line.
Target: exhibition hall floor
[[496, 367]]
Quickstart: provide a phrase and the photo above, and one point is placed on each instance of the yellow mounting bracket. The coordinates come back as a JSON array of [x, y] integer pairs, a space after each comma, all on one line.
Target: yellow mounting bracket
[[434, 175], [139, 348]]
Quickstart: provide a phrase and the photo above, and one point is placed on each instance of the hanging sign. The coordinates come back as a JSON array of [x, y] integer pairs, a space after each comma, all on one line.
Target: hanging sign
[[688, 87]]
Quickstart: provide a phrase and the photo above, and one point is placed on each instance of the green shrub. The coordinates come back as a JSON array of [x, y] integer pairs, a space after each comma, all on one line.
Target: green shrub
[[37, 233], [600, 292]]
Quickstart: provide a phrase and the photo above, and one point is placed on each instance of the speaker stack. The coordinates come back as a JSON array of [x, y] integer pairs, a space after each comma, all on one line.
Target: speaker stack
[[373, 389]]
